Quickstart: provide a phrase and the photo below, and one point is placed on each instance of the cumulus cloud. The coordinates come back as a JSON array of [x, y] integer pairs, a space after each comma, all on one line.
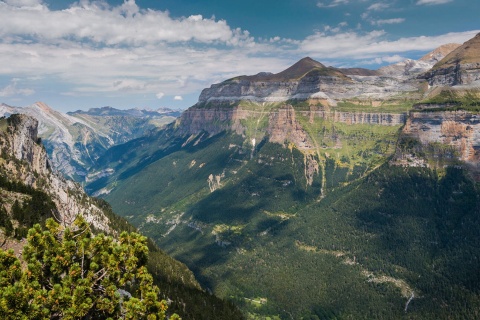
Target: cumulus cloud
[[372, 44], [94, 49], [432, 2], [387, 21], [12, 89], [379, 6], [178, 98], [332, 4], [102, 24]]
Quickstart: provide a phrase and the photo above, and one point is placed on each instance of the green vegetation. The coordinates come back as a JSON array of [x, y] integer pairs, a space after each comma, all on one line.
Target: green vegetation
[[386, 107], [453, 100], [35, 209], [73, 274], [324, 230]]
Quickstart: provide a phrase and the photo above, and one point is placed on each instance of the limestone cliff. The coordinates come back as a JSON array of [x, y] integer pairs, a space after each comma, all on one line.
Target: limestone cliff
[[25, 160], [307, 79], [460, 67], [444, 138]]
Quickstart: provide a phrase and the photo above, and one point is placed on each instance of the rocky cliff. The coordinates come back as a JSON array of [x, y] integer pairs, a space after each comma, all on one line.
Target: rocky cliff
[[25, 160], [307, 79], [460, 67], [410, 68], [440, 139], [74, 141]]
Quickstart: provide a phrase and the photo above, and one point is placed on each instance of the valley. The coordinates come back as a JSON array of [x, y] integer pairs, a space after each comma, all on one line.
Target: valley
[[312, 193]]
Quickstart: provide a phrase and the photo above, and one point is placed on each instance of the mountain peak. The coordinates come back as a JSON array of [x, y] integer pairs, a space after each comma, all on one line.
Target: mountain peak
[[469, 52], [440, 52], [301, 68]]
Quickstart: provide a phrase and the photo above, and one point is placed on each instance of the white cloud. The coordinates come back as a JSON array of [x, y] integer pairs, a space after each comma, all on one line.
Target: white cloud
[[178, 98], [24, 3], [378, 6], [432, 2], [94, 49], [334, 3], [373, 44], [101, 24], [387, 21], [12, 90]]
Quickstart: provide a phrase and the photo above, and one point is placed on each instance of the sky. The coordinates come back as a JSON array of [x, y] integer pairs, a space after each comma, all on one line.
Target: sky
[[161, 53]]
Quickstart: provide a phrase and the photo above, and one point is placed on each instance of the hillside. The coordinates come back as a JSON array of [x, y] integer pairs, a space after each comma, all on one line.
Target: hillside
[[31, 192], [308, 79]]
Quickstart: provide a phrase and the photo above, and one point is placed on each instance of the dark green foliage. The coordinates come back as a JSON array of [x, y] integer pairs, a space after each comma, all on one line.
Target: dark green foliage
[[36, 209], [176, 281], [72, 274]]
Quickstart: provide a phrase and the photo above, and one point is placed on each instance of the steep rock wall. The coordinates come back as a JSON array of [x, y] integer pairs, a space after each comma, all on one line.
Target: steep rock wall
[[458, 130], [26, 161]]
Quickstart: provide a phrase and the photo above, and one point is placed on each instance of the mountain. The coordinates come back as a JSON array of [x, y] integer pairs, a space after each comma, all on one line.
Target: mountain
[[31, 192], [315, 193], [409, 68], [460, 67], [75, 140], [310, 80]]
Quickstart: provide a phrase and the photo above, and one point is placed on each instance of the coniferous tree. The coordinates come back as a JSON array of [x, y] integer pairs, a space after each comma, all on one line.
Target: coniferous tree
[[73, 274]]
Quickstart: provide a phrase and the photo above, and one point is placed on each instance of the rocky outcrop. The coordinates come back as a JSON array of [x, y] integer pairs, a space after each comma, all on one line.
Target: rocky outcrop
[[25, 160], [460, 67], [283, 128], [74, 141], [409, 67], [450, 136]]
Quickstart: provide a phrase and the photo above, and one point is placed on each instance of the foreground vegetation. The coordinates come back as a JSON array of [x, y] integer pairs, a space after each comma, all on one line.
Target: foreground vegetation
[[71, 274]]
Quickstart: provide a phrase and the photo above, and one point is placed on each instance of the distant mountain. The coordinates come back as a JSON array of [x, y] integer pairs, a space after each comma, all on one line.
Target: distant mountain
[[75, 140], [415, 67], [309, 79], [460, 67]]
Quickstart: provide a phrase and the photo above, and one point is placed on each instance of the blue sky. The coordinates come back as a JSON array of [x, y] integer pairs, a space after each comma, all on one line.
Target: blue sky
[[162, 53]]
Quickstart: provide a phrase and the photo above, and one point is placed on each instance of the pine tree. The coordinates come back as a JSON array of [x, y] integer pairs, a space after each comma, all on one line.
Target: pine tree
[[73, 274]]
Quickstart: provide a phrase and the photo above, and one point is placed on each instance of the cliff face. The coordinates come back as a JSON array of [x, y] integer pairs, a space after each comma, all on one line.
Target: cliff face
[[281, 119], [445, 138], [74, 141], [25, 160], [460, 67], [308, 79]]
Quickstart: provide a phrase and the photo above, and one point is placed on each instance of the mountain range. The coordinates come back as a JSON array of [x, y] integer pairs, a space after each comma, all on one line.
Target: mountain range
[[318, 192], [75, 140]]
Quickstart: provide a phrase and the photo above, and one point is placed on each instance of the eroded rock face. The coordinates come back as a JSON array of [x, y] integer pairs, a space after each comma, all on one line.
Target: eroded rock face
[[459, 130], [460, 67], [460, 74], [26, 161], [283, 128]]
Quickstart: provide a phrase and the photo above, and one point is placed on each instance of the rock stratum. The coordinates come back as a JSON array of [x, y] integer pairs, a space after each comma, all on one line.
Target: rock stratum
[[461, 67], [307, 79], [25, 161], [74, 141]]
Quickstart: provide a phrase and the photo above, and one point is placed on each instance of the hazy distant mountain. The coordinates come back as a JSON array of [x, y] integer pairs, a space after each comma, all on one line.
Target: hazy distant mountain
[[75, 140], [414, 67]]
